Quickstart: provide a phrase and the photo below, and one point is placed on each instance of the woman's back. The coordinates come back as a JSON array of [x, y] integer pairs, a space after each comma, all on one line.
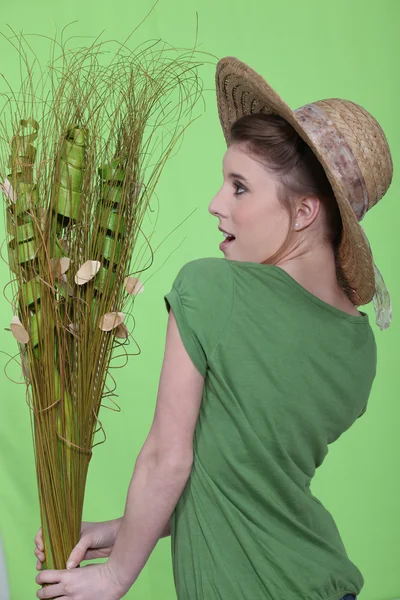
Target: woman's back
[[285, 375]]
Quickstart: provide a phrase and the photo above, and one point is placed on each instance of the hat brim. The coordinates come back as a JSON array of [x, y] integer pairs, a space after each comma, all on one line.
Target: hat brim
[[242, 91]]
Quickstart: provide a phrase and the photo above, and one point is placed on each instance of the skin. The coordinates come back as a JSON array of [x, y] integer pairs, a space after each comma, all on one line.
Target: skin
[[248, 207]]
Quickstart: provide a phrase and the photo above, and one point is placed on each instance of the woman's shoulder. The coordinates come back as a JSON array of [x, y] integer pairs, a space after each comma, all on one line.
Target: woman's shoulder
[[206, 264], [205, 278], [208, 271]]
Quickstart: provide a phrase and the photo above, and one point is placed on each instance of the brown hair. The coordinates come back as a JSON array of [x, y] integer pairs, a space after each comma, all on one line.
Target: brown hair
[[277, 145]]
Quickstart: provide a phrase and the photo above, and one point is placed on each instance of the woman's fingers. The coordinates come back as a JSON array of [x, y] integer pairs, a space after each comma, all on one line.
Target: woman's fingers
[[39, 540], [52, 591], [39, 550], [39, 554]]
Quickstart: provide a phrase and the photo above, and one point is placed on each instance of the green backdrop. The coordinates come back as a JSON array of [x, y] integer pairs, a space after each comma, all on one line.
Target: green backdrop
[[307, 50]]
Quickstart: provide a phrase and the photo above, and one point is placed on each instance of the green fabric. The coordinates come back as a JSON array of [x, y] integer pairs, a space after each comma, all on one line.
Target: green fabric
[[285, 375]]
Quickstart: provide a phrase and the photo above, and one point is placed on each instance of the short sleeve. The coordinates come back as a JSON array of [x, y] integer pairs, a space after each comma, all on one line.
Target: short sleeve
[[362, 412], [201, 298]]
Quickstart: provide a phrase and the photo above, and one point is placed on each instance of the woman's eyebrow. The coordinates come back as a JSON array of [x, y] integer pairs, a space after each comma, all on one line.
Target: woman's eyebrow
[[237, 176]]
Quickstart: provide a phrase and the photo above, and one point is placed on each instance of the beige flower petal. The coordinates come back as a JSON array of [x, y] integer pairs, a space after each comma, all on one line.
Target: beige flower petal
[[64, 262], [111, 320], [19, 331], [25, 366], [59, 266], [8, 190], [133, 285], [87, 271], [121, 331]]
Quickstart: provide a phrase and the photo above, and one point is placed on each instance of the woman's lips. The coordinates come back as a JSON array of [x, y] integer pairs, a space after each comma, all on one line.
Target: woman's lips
[[223, 245]]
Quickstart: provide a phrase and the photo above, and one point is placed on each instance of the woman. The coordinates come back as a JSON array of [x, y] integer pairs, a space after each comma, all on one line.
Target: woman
[[267, 362]]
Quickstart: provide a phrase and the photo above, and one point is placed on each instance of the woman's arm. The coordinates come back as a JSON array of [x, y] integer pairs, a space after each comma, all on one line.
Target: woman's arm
[[163, 466], [167, 530], [153, 493]]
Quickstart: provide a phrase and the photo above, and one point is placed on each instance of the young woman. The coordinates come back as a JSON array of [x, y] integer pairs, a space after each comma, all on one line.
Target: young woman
[[267, 362]]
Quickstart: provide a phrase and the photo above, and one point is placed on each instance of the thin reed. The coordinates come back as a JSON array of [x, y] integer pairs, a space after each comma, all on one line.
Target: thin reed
[[82, 147]]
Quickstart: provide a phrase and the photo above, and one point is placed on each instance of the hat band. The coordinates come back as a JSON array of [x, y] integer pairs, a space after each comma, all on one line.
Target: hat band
[[319, 127]]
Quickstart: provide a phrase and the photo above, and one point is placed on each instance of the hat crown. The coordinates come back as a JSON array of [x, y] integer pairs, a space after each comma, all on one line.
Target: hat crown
[[350, 145], [367, 142]]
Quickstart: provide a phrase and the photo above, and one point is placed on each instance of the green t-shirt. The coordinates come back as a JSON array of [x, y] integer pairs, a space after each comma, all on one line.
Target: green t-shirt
[[285, 375]]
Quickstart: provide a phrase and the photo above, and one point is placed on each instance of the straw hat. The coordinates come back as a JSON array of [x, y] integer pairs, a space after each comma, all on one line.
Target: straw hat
[[352, 149]]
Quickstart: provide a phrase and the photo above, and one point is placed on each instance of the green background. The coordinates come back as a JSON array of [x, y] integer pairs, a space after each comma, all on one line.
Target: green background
[[308, 51]]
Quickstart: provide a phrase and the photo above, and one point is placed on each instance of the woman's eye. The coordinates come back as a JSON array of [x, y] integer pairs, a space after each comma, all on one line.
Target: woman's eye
[[238, 187]]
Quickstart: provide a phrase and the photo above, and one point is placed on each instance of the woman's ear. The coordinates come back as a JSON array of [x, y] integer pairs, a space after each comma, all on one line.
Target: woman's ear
[[308, 210]]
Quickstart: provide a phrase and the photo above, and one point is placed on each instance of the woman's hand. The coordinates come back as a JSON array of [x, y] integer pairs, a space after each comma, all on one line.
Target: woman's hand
[[92, 581], [97, 541]]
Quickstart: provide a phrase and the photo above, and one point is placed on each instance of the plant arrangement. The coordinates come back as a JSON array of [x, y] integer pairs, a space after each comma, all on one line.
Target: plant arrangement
[[82, 147]]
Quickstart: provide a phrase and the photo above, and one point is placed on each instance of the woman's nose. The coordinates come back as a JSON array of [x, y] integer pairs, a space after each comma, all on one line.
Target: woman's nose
[[215, 205]]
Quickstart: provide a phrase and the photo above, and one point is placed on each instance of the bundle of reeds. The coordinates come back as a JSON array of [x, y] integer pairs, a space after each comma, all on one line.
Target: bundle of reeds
[[80, 156]]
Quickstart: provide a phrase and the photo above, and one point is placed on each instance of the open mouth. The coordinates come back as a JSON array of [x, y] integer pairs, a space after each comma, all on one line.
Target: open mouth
[[229, 239], [227, 235]]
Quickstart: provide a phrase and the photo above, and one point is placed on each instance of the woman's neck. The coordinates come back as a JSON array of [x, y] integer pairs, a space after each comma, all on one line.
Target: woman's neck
[[315, 270]]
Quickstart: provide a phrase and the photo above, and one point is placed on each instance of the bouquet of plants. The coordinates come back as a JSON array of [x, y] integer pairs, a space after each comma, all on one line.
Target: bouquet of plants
[[81, 150]]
